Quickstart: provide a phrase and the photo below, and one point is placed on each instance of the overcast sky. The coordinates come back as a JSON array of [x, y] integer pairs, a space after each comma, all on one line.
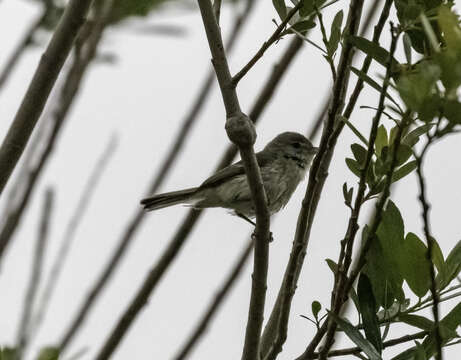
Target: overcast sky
[[142, 98]]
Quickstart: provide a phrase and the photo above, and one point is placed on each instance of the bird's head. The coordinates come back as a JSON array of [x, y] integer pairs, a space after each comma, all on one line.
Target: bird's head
[[293, 146]]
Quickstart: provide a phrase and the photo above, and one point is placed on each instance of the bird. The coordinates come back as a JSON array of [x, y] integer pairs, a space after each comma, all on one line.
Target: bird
[[283, 163]]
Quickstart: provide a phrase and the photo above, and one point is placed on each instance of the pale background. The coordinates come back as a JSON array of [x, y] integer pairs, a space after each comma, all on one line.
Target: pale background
[[143, 98]]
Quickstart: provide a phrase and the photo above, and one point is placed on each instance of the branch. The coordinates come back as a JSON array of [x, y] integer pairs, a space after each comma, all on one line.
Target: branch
[[70, 231], [347, 244], [20, 48], [35, 275], [84, 54], [274, 37], [217, 301], [139, 215], [430, 245], [187, 225], [39, 89], [386, 344], [275, 332], [241, 132]]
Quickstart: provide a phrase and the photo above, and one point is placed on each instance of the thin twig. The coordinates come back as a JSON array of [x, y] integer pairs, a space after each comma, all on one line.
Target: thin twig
[[430, 245], [274, 37], [345, 257], [40, 86], [325, 41], [35, 275], [276, 330], [70, 231], [213, 307], [161, 174], [386, 344], [25, 42], [81, 60]]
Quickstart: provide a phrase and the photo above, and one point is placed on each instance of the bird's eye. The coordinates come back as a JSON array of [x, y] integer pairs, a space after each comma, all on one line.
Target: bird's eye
[[296, 145]]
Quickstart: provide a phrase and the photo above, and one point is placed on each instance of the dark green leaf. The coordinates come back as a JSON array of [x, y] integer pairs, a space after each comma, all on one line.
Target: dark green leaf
[[360, 154], [355, 299], [332, 265], [453, 264], [381, 139], [403, 154], [452, 111], [303, 26], [407, 47], [353, 166], [357, 337], [316, 307], [404, 170], [413, 136], [7, 353], [367, 305], [416, 267], [48, 353], [417, 321], [368, 80], [378, 53], [335, 33], [281, 8], [122, 9]]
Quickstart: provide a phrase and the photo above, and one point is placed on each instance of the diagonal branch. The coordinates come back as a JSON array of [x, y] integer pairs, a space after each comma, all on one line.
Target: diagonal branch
[[40, 87], [214, 305], [35, 276], [275, 332], [274, 37], [83, 55], [139, 215]]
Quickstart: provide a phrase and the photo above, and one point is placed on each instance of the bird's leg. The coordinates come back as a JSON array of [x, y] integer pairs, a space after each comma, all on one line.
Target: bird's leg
[[240, 215]]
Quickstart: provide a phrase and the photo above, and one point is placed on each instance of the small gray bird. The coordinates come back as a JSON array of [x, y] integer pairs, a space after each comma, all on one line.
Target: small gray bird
[[283, 162]]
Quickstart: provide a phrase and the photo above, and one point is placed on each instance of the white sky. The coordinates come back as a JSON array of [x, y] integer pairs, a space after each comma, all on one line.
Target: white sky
[[143, 98]]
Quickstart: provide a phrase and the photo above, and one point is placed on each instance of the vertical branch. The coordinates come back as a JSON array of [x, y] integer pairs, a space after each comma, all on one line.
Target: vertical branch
[[70, 231], [35, 275], [430, 245], [275, 332], [43, 81], [339, 295], [217, 301]]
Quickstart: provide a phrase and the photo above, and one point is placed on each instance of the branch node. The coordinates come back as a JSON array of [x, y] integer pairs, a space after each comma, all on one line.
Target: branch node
[[241, 130]]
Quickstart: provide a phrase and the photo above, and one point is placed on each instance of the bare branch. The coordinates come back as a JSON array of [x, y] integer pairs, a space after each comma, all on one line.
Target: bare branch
[[70, 231], [217, 301], [35, 275], [430, 244], [20, 48], [84, 54], [43, 81], [274, 37]]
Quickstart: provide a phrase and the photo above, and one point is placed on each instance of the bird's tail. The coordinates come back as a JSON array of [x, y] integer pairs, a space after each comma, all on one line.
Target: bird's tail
[[168, 199]]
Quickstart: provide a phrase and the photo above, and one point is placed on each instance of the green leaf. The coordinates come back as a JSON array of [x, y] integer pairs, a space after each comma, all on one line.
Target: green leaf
[[407, 47], [381, 139], [378, 53], [303, 26], [332, 265], [417, 321], [48, 353], [404, 170], [8, 353], [316, 307], [452, 111], [368, 80], [281, 8], [122, 9], [416, 267], [413, 136], [367, 305], [453, 264], [360, 154], [357, 337], [449, 24], [437, 256], [403, 154], [353, 166], [335, 33]]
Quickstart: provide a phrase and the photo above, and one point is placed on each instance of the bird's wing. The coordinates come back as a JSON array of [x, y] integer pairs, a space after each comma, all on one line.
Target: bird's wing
[[230, 171]]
